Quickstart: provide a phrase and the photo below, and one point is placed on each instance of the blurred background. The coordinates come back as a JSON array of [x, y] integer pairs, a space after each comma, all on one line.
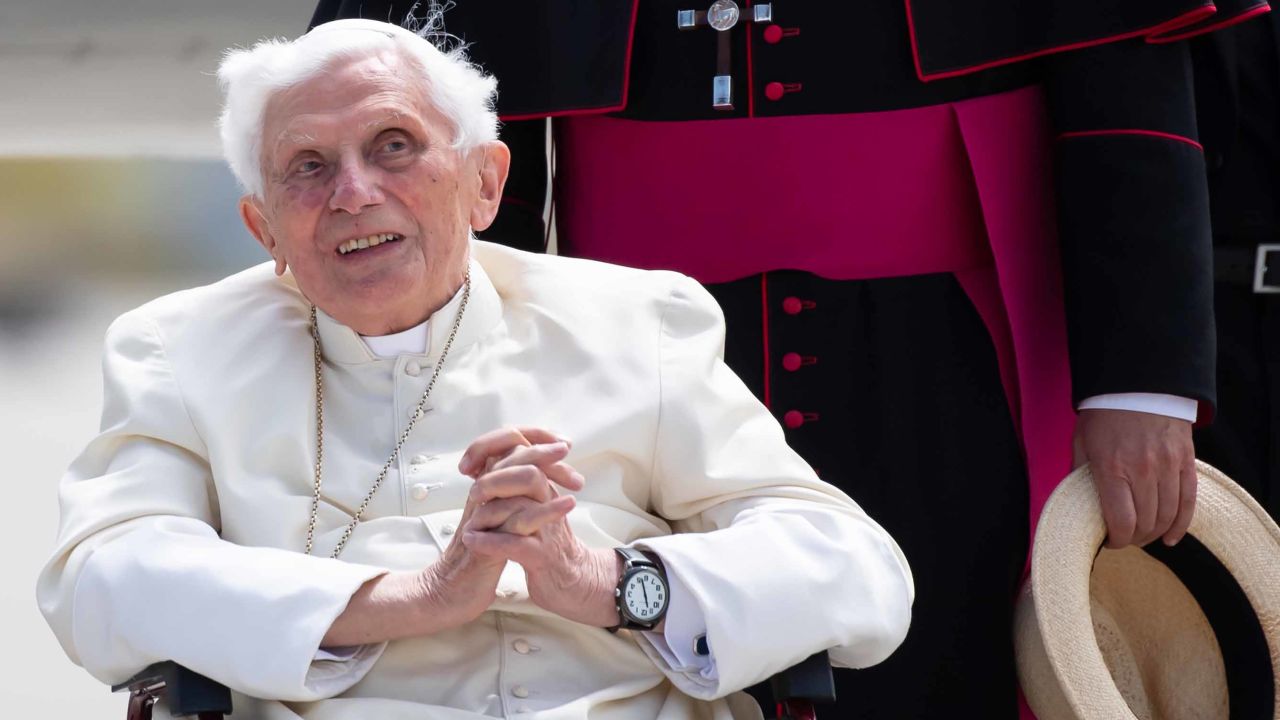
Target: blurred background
[[112, 192]]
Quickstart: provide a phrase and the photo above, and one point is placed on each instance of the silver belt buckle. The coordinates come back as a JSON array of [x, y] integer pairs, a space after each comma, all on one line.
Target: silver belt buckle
[[1260, 269]]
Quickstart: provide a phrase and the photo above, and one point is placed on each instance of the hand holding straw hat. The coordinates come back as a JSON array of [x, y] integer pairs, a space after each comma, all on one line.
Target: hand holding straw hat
[[1119, 634]]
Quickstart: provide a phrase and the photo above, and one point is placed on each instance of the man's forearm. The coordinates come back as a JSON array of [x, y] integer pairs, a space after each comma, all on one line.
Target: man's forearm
[[389, 607]]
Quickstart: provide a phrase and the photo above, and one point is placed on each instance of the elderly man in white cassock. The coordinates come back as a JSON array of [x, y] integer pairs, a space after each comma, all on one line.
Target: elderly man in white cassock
[[299, 490]]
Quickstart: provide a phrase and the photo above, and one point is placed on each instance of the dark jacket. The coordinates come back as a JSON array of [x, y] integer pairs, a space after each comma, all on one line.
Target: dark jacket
[[1130, 175]]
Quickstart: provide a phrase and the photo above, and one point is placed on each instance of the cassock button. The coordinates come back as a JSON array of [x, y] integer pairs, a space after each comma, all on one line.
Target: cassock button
[[773, 34], [419, 460], [774, 91], [792, 306], [793, 419], [520, 691], [413, 369], [522, 646], [449, 529], [420, 491], [792, 361]]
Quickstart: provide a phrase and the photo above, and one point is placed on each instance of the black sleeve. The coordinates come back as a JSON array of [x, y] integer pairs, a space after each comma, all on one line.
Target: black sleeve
[[1134, 222], [519, 223]]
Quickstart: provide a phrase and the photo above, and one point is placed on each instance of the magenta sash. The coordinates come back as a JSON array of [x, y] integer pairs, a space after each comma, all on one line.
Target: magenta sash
[[962, 187]]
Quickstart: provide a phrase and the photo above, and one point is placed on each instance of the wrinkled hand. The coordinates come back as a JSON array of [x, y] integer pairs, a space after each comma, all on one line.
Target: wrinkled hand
[[1144, 470], [465, 581], [520, 517]]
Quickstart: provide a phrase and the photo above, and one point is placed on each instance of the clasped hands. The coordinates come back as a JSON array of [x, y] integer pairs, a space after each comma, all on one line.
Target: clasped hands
[[515, 513], [1143, 468]]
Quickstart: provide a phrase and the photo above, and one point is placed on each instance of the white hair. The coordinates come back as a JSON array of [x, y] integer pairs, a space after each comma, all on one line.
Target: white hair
[[249, 78]]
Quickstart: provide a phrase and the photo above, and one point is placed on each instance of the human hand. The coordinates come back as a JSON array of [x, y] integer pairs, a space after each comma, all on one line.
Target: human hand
[[520, 517], [1144, 470], [563, 575], [466, 582]]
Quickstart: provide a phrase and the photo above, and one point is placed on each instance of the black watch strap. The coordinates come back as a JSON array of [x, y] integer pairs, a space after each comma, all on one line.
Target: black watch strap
[[632, 557]]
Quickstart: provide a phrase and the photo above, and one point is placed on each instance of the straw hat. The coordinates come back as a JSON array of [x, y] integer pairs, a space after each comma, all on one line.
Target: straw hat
[[1115, 634]]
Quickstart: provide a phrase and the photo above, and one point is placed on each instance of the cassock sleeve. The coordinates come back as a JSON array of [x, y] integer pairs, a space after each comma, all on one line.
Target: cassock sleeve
[[781, 564], [519, 222], [140, 574], [1134, 222]]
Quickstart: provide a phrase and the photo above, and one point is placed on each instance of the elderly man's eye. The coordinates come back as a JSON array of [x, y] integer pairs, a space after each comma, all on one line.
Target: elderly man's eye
[[395, 146], [307, 168]]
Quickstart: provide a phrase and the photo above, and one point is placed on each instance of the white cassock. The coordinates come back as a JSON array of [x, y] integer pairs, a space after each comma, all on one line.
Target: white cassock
[[183, 522]]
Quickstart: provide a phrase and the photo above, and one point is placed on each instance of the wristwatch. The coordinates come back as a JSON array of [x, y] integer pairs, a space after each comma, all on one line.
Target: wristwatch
[[641, 596]]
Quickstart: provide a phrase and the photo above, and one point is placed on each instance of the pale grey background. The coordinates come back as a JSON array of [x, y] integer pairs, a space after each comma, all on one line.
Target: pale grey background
[[110, 193]]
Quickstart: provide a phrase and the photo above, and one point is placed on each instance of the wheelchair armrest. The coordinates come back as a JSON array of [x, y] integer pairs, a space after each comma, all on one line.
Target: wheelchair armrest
[[189, 693], [810, 680], [186, 692]]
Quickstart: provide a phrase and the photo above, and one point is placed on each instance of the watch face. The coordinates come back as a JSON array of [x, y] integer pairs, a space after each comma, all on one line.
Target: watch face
[[645, 595]]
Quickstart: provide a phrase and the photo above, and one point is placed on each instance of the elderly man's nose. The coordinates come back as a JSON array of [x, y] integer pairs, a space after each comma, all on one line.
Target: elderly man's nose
[[354, 190]]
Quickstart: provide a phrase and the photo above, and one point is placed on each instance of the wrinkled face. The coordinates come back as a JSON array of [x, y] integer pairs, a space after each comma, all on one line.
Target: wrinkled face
[[364, 200]]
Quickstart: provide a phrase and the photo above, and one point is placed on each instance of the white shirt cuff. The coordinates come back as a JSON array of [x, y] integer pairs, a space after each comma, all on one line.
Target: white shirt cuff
[[332, 669], [339, 654], [684, 625], [1155, 403]]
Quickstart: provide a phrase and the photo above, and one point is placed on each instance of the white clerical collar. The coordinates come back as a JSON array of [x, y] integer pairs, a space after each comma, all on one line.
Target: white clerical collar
[[344, 346], [407, 342]]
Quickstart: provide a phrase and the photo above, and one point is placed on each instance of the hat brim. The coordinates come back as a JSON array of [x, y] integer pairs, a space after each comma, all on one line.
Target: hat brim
[[1055, 626]]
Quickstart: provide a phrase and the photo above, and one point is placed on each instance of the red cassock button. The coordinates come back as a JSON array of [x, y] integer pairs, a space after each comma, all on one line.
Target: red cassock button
[[792, 361], [773, 91], [792, 306], [773, 34], [793, 419]]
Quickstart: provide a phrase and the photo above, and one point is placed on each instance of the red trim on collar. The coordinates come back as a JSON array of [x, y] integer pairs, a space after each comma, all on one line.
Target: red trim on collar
[[1148, 133], [1181, 21], [563, 113], [1214, 27], [626, 84]]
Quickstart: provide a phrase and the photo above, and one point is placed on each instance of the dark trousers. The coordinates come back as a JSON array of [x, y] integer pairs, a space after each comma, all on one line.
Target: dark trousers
[[1244, 439], [1243, 442], [890, 389]]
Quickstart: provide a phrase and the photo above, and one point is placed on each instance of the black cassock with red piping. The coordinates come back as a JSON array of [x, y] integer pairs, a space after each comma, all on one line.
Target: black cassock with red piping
[[892, 387]]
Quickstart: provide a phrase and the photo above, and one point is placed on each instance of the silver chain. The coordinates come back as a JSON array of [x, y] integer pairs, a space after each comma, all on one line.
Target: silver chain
[[417, 414]]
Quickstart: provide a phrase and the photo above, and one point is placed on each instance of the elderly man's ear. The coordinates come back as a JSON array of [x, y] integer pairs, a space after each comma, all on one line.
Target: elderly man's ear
[[494, 163], [251, 214]]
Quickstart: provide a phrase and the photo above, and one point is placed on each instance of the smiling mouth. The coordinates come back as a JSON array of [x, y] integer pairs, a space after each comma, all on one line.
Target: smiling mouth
[[363, 243]]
